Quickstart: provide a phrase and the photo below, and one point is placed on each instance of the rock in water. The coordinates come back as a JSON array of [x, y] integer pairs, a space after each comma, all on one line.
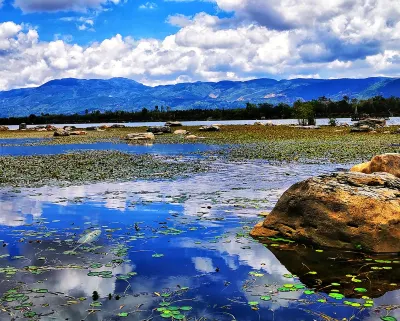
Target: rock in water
[[342, 210], [389, 163], [22, 126]]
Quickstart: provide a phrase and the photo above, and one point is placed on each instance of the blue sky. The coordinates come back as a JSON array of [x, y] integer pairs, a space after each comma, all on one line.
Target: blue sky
[[139, 19], [172, 41]]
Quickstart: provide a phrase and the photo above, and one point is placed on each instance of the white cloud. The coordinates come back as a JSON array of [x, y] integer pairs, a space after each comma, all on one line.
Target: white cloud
[[148, 6], [61, 5], [179, 20], [343, 39]]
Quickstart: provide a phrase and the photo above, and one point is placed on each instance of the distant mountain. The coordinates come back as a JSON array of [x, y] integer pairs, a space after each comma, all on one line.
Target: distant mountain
[[70, 95]]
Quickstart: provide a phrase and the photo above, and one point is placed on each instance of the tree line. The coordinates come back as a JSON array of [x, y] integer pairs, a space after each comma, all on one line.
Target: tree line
[[303, 110]]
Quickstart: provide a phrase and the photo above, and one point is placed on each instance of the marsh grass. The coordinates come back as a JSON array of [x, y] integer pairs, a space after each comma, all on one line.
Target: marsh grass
[[91, 166], [276, 143]]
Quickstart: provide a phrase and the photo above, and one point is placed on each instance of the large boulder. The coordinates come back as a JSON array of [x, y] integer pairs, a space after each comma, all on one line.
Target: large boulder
[[389, 163], [159, 129], [341, 210], [140, 137]]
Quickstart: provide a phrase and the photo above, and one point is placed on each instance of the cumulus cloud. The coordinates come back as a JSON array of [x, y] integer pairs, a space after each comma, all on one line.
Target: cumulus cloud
[[344, 38], [61, 5]]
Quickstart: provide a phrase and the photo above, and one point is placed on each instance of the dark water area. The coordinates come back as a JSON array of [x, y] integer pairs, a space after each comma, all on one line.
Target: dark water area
[[179, 249], [159, 149]]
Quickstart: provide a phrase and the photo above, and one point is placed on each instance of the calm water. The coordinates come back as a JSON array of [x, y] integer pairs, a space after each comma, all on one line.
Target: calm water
[[15, 149], [178, 248], [322, 121]]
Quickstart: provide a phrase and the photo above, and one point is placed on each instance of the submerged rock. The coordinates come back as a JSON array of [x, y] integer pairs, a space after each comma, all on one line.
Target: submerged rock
[[342, 210], [389, 163]]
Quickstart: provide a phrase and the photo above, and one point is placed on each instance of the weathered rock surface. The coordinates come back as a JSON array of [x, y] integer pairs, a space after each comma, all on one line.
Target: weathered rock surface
[[342, 210], [159, 129], [61, 133], [140, 137], [389, 163], [212, 128], [78, 133], [361, 129], [173, 124], [181, 132]]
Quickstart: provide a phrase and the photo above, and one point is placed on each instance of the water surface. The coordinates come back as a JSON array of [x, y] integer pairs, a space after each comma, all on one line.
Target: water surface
[[180, 247]]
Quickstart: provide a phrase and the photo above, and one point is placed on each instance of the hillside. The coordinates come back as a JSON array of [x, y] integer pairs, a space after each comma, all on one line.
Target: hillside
[[70, 95]]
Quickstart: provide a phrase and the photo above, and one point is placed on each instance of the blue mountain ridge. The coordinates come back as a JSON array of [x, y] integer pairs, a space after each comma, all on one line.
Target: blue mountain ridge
[[69, 95]]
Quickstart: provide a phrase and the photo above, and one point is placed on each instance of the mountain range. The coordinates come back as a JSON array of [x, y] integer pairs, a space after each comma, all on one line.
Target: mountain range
[[69, 95]]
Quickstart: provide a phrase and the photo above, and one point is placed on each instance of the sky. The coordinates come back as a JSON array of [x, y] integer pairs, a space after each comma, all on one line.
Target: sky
[[172, 41]]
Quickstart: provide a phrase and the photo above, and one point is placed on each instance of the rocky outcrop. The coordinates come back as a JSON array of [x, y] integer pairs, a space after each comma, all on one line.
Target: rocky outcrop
[[173, 124], [140, 137], [212, 128], [389, 163], [61, 133], [342, 210], [159, 129], [3, 128]]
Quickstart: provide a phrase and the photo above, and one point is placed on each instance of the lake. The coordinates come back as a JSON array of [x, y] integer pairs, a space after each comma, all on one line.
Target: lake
[[176, 249], [321, 121]]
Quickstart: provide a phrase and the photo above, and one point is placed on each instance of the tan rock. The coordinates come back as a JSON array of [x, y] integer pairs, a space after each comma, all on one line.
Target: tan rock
[[140, 137], [342, 210], [181, 132], [388, 163], [191, 137], [78, 133]]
